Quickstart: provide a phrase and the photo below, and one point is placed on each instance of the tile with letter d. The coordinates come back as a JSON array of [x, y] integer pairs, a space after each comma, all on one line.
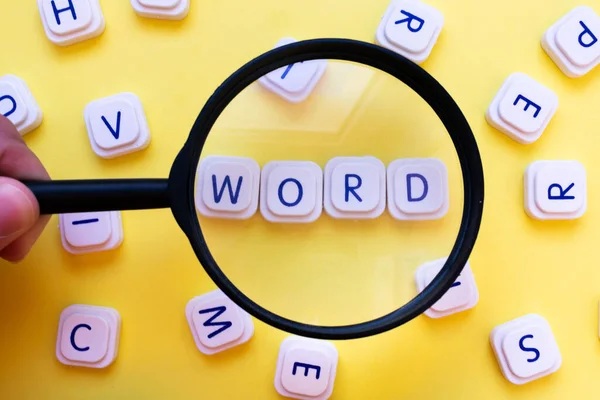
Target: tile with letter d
[[88, 336], [417, 189], [162, 9], [572, 42], [217, 323], [91, 232], [227, 187], [117, 125], [463, 294], [555, 190], [355, 187], [67, 22], [410, 28], [522, 108], [306, 368], [294, 82], [291, 191], [18, 104], [526, 349]]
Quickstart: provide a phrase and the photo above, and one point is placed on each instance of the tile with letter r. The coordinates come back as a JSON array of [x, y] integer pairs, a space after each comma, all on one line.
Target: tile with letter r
[[572, 42], [522, 108], [88, 336], [555, 189], [217, 323], [91, 232], [410, 28], [306, 368], [67, 22]]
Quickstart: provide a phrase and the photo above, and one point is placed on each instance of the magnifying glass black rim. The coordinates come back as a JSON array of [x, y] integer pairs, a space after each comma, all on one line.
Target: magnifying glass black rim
[[183, 174]]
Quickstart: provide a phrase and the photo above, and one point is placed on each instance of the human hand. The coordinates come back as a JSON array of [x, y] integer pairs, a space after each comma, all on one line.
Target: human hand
[[20, 222]]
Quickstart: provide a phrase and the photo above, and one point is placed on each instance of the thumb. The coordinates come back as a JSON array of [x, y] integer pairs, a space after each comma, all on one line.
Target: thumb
[[18, 211]]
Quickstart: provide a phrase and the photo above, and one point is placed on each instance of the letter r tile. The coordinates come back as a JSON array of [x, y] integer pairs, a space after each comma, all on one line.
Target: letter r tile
[[555, 189]]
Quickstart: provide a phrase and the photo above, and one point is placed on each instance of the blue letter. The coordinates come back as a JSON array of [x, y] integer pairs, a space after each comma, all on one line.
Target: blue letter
[[534, 350], [86, 326], [410, 19], [209, 322], [352, 188], [280, 192], [586, 31], [306, 368], [529, 103], [412, 199], [14, 104], [287, 70], [115, 133], [457, 283], [562, 194], [86, 221], [69, 8], [227, 182]]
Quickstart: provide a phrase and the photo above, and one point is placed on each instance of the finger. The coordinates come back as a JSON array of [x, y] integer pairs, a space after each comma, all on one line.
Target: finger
[[19, 211], [16, 159], [19, 248]]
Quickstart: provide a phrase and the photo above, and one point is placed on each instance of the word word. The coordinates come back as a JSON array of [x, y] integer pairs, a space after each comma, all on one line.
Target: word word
[[117, 125], [306, 368], [522, 109], [297, 191], [67, 22], [217, 323], [294, 82], [461, 296], [88, 336], [410, 28], [91, 232], [555, 190], [162, 9], [526, 349], [572, 42], [18, 104]]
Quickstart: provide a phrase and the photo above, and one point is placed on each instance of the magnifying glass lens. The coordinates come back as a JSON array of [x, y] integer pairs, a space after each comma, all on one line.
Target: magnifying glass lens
[[329, 193]]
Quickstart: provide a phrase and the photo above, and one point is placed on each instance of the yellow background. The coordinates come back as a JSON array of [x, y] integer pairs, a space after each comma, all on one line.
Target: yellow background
[[521, 266]]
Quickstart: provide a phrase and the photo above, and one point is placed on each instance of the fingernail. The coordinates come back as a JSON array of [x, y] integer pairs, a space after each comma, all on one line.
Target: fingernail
[[17, 214]]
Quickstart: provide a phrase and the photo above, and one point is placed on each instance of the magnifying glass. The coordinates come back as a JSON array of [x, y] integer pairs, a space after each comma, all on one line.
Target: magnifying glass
[[315, 182]]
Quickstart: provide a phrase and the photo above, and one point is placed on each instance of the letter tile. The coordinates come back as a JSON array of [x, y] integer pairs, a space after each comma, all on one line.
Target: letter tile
[[410, 28], [526, 349], [91, 232], [117, 125], [67, 22], [417, 189], [355, 187], [522, 108], [555, 190], [227, 187], [88, 336], [217, 323], [291, 191], [572, 42], [306, 368]]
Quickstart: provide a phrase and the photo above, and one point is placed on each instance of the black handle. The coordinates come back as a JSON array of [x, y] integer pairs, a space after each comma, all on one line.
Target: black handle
[[73, 196]]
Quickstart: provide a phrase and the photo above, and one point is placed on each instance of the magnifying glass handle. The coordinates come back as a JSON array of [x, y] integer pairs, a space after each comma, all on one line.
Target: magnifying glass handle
[[74, 196]]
